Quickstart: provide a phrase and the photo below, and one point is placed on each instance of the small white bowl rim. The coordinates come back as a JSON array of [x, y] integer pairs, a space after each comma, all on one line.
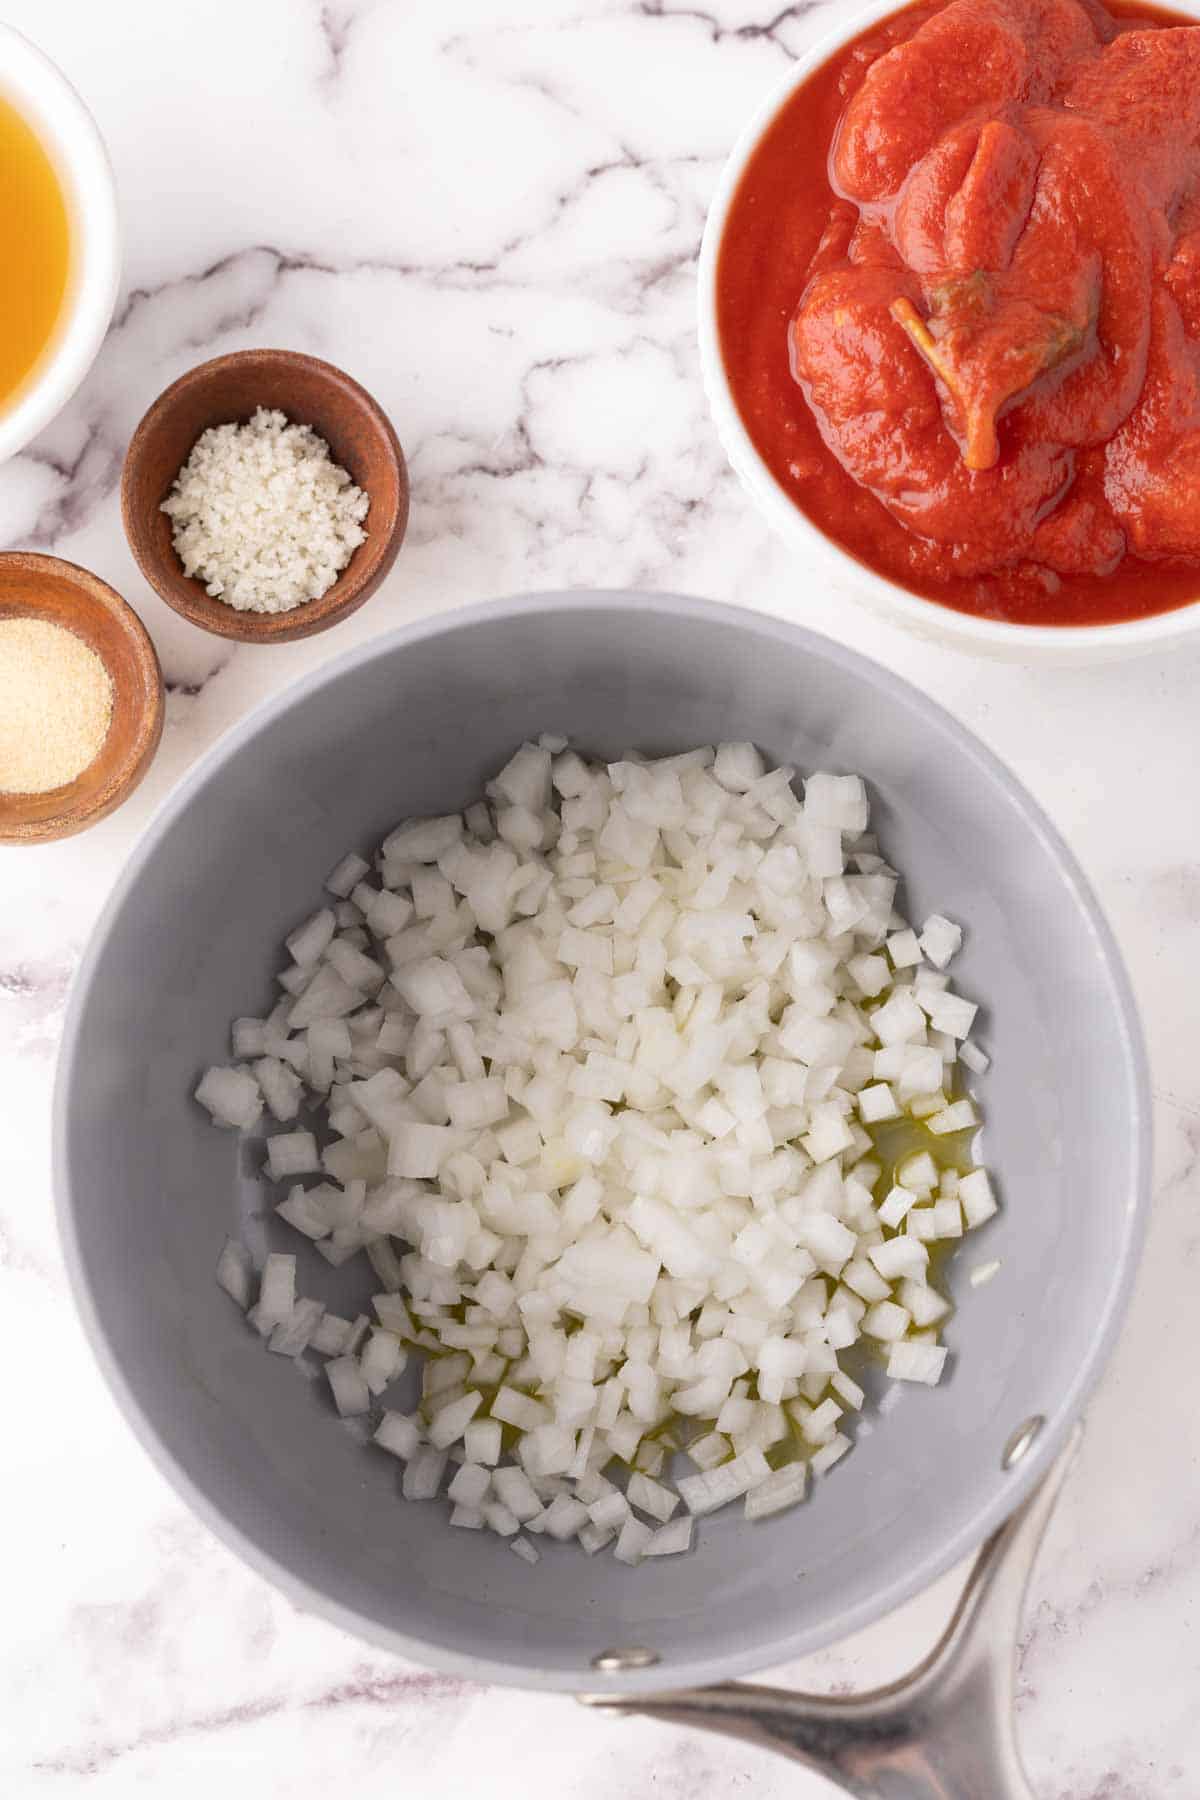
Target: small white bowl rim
[[42, 93], [928, 618]]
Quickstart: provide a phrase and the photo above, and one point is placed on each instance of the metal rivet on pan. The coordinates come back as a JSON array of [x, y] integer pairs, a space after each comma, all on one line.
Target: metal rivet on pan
[[618, 1662], [1021, 1440]]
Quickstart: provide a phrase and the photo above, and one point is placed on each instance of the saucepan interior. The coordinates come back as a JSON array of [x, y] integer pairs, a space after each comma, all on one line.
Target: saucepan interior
[[412, 724]]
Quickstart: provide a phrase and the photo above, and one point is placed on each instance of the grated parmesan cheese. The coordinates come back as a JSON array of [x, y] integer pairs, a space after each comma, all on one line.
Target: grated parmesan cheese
[[263, 515]]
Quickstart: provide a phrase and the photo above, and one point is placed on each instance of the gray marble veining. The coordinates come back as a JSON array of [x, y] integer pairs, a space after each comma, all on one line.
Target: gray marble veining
[[491, 217]]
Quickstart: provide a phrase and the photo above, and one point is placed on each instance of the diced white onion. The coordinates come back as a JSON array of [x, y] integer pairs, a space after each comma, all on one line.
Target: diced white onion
[[399, 1434], [232, 1097], [651, 1497], [978, 1201], [499, 1519], [633, 1541], [235, 1272], [382, 1360], [601, 1061], [829, 1454], [481, 1440], [515, 1490], [294, 1334], [672, 1539], [292, 1153], [940, 940], [351, 1395], [277, 1294], [346, 875], [782, 1489], [470, 1485], [423, 1474], [307, 943], [917, 1362]]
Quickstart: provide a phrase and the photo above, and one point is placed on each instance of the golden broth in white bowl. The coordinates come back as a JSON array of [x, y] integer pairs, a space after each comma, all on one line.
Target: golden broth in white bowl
[[59, 240]]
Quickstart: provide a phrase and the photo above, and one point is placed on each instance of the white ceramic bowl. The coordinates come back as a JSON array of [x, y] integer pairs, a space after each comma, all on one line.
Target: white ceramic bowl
[[990, 637], [45, 98]]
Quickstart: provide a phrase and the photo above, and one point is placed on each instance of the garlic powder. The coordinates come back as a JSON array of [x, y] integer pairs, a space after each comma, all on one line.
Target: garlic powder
[[56, 701]]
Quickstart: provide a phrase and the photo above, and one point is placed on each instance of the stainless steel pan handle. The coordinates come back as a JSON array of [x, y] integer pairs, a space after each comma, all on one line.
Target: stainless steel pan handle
[[943, 1732]]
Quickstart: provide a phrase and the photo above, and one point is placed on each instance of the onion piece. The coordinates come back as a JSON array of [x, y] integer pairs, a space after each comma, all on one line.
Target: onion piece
[[917, 1362], [231, 1097], [294, 1334], [633, 1541], [235, 1272], [399, 1434], [423, 1474], [351, 1394], [782, 1489], [672, 1539]]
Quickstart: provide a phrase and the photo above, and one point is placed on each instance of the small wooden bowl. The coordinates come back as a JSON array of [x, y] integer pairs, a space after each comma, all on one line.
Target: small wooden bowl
[[228, 390], [45, 587]]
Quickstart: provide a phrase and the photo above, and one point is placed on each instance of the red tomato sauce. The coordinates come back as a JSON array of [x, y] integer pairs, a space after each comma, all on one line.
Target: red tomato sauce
[[958, 298]]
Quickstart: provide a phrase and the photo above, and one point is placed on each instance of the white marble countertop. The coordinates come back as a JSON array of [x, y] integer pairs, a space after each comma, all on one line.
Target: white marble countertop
[[490, 215]]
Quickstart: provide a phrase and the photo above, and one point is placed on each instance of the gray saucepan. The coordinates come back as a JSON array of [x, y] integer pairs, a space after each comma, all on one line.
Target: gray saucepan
[[412, 723]]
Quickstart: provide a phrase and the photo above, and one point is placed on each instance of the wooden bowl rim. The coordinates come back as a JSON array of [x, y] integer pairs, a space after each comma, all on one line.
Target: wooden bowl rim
[[72, 815], [185, 595]]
